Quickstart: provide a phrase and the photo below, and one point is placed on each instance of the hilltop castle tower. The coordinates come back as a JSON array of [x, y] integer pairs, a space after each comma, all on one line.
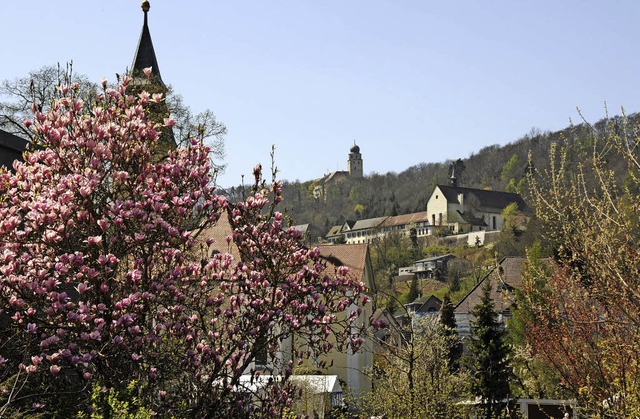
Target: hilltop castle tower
[[354, 164]]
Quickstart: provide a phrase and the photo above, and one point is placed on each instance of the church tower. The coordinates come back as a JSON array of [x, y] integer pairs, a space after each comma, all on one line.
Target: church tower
[[355, 162], [146, 57]]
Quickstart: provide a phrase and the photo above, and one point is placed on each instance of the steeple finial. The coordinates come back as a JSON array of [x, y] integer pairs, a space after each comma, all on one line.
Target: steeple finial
[[145, 54]]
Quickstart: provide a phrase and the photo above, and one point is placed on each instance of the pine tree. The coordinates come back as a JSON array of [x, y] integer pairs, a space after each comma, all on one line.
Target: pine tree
[[488, 357], [449, 328]]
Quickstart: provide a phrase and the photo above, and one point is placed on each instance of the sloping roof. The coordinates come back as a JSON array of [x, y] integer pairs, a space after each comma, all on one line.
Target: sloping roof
[[368, 223], [471, 219], [337, 176], [334, 231], [11, 148], [487, 199], [353, 256], [435, 258], [145, 54], [504, 279], [302, 228], [415, 217]]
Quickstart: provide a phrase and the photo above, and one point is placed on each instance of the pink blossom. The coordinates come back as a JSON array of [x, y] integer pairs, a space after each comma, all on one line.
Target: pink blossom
[[147, 71]]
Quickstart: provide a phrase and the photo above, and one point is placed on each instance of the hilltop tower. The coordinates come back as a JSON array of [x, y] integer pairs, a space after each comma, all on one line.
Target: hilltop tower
[[355, 162], [145, 57]]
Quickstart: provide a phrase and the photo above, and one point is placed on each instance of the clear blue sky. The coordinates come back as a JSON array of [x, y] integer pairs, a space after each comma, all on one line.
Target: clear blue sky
[[410, 81]]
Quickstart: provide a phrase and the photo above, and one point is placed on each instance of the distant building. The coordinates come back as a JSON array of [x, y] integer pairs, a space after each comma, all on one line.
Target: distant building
[[457, 209], [310, 233], [433, 267], [330, 180]]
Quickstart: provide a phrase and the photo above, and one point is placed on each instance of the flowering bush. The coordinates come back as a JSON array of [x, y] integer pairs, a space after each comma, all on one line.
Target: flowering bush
[[105, 280]]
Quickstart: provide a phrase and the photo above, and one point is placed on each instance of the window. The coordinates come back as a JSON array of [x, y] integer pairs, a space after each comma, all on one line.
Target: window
[[261, 354]]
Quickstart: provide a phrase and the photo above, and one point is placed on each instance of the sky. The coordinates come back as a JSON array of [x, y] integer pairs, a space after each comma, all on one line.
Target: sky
[[409, 81]]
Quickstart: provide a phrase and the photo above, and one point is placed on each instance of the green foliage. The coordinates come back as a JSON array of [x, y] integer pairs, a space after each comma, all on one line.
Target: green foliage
[[411, 294], [511, 169], [111, 403], [411, 378], [449, 329]]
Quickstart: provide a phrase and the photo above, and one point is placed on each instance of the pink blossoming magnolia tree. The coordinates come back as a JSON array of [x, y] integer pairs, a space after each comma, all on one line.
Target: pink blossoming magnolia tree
[[104, 279]]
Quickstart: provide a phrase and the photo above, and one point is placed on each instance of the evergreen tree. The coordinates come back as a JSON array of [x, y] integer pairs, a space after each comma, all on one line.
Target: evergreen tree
[[449, 328], [487, 357]]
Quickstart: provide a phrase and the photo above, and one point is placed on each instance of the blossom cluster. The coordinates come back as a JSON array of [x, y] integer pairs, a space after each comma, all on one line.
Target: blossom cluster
[[104, 277]]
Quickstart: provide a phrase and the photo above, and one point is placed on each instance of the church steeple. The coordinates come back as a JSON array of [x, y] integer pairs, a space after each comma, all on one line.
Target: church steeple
[[145, 54], [146, 57]]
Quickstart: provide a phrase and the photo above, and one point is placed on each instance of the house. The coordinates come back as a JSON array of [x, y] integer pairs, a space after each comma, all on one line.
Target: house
[[457, 209], [348, 366], [416, 223], [429, 304], [505, 279], [11, 148], [331, 180], [365, 231], [433, 267], [424, 309], [335, 233], [310, 233]]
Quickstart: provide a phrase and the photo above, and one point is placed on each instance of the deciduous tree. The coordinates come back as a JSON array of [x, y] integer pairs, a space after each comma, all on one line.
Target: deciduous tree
[[105, 280], [585, 312]]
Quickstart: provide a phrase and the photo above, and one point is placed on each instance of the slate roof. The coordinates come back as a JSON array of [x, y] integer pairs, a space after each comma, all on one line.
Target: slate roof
[[11, 148], [397, 220], [145, 54], [334, 231], [435, 258], [504, 279], [486, 198], [368, 223]]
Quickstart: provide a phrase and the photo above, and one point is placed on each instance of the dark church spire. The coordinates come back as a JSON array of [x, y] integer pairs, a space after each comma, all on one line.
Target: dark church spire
[[145, 54]]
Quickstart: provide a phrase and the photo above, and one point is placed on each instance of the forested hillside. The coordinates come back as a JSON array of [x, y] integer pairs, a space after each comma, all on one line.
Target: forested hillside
[[493, 167]]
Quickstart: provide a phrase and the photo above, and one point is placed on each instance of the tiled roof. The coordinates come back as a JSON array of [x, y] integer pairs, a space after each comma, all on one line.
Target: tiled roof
[[219, 233], [415, 217], [487, 199], [353, 256]]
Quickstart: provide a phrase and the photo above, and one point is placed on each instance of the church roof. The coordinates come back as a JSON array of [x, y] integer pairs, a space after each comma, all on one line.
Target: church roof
[[486, 198], [145, 54]]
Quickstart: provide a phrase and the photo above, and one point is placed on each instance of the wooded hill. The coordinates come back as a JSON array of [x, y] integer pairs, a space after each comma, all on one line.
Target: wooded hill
[[493, 167]]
